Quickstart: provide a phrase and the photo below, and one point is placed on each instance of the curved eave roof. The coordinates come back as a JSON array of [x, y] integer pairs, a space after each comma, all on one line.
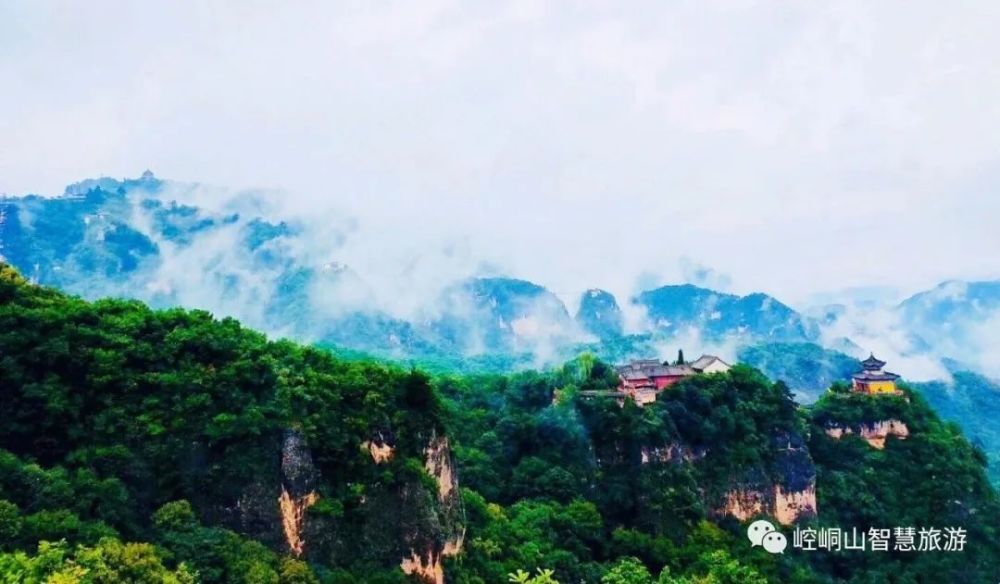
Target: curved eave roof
[[873, 363], [868, 376]]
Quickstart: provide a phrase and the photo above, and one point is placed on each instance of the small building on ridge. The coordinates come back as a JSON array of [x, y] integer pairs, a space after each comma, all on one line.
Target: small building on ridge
[[643, 379], [873, 379]]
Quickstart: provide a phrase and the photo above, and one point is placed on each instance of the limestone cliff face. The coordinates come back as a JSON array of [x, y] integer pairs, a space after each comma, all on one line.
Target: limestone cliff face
[[298, 489], [425, 557], [381, 446], [784, 487], [874, 433], [427, 567], [440, 466], [791, 506], [786, 507], [673, 452], [785, 490], [272, 504], [381, 513]]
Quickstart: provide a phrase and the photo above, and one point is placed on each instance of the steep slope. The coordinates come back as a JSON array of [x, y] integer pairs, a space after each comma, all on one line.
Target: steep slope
[[968, 399], [568, 476], [715, 315], [956, 320], [345, 465], [248, 460], [484, 315], [600, 315], [132, 239], [973, 402], [889, 461]]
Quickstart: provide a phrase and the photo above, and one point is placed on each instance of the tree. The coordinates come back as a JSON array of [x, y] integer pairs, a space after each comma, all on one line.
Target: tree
[[109, 562], [724, 569], [542, 577], [10, 523], [296, 572], [175, 516], [628, 571], [680, 356]]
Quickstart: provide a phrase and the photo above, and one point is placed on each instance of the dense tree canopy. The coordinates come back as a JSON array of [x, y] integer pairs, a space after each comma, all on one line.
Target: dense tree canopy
[[130, 439]]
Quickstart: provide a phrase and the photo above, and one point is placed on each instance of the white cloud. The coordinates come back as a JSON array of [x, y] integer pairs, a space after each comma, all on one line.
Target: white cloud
[[793, 147]]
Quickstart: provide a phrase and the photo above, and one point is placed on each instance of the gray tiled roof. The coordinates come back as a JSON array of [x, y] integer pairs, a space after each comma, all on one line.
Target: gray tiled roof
[[648, 368], [871, 376]]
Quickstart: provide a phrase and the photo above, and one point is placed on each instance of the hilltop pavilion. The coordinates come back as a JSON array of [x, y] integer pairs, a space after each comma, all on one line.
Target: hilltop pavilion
[[873, 379]]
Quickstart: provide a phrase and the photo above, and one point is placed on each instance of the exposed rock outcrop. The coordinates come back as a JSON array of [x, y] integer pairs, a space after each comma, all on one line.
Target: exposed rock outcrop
[[785, 491], [293, 517], [393, 519], [427, 567], [792, 505], [381, 446], [298, 483], [875, 433], [673, 452], [785, 506], [427, 564], [439, 465]]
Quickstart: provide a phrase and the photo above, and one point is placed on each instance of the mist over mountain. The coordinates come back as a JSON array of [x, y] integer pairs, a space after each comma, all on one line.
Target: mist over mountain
[[238, 253], [957, 319], [600, 315], [677, 308]]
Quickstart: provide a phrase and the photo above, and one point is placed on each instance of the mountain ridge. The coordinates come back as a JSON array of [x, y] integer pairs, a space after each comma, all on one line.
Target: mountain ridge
[[135, 238]]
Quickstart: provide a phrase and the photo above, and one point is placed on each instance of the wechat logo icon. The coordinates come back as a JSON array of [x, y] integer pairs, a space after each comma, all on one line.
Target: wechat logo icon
[[762, 533]]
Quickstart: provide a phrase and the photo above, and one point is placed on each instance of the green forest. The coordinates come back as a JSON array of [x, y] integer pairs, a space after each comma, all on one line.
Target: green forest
[[144, 446]]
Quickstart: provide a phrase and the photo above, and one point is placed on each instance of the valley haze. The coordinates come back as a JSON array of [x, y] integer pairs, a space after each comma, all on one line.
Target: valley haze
[[572, 148], [328, 278]]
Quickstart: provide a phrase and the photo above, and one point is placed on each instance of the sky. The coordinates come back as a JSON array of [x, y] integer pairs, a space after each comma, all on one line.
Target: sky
[[791, 147]]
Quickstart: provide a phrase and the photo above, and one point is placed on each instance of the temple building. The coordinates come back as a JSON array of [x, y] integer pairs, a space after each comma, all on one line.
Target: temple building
[[643, 379], [710, 364], [872, 379]]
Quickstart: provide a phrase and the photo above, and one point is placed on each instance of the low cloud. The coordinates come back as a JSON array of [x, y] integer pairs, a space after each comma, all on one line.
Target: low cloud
[[742, 146], [793, 149]]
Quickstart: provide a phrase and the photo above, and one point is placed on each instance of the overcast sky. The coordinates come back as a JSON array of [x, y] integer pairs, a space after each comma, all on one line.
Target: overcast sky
[[791, 147]]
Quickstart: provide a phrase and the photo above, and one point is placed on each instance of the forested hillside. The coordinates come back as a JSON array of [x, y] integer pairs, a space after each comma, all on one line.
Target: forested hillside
[[168, 446], [235, 455]]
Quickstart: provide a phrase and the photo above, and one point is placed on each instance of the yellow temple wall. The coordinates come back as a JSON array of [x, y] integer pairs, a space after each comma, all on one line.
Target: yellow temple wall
[[880, 386]]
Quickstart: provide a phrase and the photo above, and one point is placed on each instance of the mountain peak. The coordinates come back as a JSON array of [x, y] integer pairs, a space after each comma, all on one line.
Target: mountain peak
[[599, 314]]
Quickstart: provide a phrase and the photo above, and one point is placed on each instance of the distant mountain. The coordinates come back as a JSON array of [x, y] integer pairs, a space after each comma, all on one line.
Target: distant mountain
[[483, 315], [956, 319], [973, 402], [600, 315], [130, 238], [107, 237], [953, 300], [716, 315], [133, 238], [807, 368]]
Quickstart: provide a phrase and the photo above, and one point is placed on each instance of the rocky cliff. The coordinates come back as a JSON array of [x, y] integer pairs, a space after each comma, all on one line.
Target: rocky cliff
[[425, 558], [784, 489], [298, 489], [406, 522], [874, 433]]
